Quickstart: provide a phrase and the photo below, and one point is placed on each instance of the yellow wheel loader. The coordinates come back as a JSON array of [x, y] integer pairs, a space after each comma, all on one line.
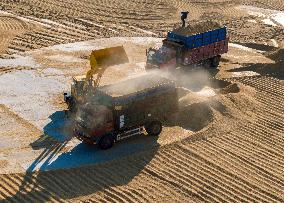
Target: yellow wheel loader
[[84, 87]]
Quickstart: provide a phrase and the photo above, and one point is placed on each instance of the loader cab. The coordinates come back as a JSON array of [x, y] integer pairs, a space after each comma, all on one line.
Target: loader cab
[[77, 87], [75, 96]]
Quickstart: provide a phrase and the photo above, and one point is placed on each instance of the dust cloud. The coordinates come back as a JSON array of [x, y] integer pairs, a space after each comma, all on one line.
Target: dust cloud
[[135, 84], [196, 96], [193, 79]]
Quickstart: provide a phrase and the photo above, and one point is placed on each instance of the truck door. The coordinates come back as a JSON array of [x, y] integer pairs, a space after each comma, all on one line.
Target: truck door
[[103, 122]]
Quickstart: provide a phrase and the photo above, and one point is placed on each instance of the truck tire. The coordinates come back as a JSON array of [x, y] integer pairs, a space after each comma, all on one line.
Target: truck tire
[[106, 141], [154, 128], [215, 61]]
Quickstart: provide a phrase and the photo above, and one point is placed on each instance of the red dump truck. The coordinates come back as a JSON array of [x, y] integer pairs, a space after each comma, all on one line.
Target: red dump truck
[[202, 43], [118, 111]]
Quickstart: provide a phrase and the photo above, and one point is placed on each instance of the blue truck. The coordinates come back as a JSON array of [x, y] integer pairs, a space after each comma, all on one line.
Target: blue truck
[[200, 43]]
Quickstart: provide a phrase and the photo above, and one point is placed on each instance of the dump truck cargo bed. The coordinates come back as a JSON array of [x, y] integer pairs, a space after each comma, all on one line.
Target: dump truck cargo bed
[[196, 28], [197, 35], [137, 88]]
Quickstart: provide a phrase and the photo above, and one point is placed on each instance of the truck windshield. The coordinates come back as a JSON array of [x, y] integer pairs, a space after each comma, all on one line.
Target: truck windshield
[[159, 56], [91, 116]]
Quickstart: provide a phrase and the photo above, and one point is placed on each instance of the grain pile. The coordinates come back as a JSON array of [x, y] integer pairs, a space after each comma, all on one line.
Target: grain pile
[[197, 27]]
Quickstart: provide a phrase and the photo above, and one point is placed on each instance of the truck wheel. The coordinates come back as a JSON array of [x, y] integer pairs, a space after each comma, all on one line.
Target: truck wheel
[[154, 128], [106, 142], [215, 61]]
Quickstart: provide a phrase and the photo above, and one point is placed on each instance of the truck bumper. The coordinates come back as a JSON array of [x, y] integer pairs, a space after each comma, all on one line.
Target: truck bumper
[[82, 136]]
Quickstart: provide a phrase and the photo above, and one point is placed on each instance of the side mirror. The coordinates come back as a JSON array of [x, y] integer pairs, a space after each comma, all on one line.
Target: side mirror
[[66, 96]]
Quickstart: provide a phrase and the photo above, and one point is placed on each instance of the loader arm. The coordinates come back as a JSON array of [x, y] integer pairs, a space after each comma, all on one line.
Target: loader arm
[[100, 60], [94, 67]]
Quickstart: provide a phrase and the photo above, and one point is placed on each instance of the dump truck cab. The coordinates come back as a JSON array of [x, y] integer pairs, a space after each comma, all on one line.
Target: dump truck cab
[[94, 118], [92, 121], [163, 58]]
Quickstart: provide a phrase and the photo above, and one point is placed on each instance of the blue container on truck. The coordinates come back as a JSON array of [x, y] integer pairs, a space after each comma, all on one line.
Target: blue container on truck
[[199, 39]]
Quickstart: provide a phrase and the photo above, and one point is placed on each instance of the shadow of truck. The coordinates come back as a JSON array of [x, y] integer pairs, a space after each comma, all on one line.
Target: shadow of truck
[[63, 172]]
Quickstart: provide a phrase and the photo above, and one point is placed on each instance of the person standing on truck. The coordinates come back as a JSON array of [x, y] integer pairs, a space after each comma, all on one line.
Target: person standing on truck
[[183, 17]]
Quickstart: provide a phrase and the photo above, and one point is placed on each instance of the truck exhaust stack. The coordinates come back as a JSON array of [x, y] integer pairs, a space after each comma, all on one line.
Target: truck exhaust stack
[[183, 17]]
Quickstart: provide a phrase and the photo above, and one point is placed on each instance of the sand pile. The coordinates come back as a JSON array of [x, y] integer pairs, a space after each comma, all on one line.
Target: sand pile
[[195, 116], [195, 111], [276, 55], [189, 98], [232, 88], [275, 69]]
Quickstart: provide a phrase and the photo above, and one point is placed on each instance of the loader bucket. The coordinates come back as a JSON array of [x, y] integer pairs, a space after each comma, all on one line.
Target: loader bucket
[[108, 57]]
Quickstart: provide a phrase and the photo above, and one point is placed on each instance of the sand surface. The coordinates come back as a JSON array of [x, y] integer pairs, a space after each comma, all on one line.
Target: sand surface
[[226, 144]]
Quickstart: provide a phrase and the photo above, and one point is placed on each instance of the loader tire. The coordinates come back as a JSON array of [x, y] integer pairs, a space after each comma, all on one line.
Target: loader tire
[[154, 128], [106, 142]]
